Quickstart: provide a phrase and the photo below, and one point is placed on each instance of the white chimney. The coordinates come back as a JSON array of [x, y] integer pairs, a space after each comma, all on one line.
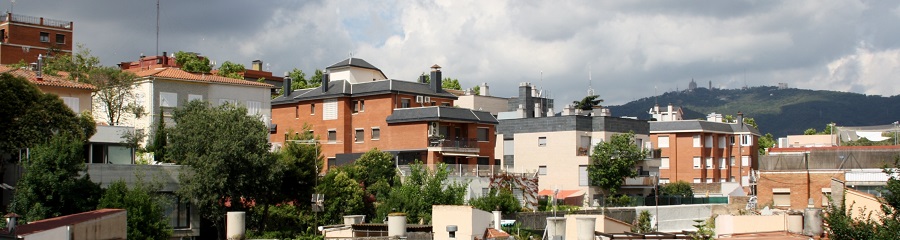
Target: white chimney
[[497, 220], [537, 110], [484, 90], [521, 111]]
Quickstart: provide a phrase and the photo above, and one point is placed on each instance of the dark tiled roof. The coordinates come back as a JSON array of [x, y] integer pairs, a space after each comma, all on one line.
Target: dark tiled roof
[[440, 114], [343, 88], [700, 126], [354, 62], [51, 223]]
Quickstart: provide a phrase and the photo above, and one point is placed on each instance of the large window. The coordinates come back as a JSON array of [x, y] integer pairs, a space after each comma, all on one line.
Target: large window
[[253, 107], [664, 163], [358, 106], [332, 136], [721, 141], [709, 142], [179, 214], [663, 141], [331, 110], [722, 163], [483, 134], [167, 99], [60, 39], [697, 141], [72, 103], [781, 197], [359, 135]]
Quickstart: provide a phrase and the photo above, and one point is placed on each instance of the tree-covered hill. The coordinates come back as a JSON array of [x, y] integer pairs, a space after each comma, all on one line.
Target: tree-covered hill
[[777, 111]]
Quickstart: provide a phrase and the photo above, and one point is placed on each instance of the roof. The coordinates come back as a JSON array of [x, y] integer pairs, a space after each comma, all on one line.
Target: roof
[[343, 88], [51, 223], [700, 126], [47, 80], [353, 62], [440, 113], [178, 74]]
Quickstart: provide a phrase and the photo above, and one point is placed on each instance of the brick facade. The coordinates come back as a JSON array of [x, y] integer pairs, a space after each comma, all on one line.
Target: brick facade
[[795, 184], [25, 37]]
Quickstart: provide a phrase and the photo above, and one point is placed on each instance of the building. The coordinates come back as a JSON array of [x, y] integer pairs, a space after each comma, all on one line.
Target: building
[[557, 148], [26, 37], [483, 101], [98, 224], [258, 72], [76, 95], [705, 151], [357, 108]]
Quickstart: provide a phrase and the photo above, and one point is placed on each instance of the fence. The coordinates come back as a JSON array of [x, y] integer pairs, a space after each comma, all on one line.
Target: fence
[[538, 220], [663, 201], [465, 170], [36, 20]]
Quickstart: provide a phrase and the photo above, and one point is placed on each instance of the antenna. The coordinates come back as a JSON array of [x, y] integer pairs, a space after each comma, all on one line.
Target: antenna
[[13, 6], [157, 27], [590, 90], [350, 61]]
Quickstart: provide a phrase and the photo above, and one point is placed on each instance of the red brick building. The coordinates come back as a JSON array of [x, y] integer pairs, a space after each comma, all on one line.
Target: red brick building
[[358, 108], [698, 151], [25, 37]]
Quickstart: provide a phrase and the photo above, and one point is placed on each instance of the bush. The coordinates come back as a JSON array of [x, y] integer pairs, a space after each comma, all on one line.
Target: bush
[[679, 188], [502, 200]]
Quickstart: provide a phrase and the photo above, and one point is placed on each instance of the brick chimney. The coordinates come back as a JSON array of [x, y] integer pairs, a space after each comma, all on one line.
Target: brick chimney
[[436, 84]]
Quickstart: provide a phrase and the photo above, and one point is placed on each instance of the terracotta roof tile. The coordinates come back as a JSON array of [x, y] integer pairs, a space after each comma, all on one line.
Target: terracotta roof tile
[[47, 80], [176, 73]]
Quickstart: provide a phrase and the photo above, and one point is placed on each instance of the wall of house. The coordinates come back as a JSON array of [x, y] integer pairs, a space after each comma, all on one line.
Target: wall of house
[[862, 205], [730, 224], [355, 75], [51, 234], [809, 141], [241, 94], [681, 153], [490, 104], [470, 222], [796, 183], [20, 34], [109, 227], [83, 95]]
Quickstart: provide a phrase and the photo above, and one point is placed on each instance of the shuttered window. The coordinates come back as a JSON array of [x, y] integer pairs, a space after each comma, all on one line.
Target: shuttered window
[[582, 175], [663, 141], [331, 109]]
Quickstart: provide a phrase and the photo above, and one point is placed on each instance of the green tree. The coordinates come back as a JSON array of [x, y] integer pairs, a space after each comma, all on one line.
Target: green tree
[[231, 70], [419, 191], [160, 139], [301, 160], [841, 225], [450, 83], [765, 142], [146, 208], [612, 161], [316, 79], [78, 65], [192, 63], [476, 90], [751, 122], [298, 79], [678, 188], [588, 103], [53, 184], [374, 166], [497, 200], [642, 224], [115, 93], [225, 152], [810, 131], [343, 195]]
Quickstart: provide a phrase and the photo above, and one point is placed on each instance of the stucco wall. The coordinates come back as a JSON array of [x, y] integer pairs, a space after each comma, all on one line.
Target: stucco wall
[[862, 205], [470, 222], [84, 96], [490, 104], [109, 227]]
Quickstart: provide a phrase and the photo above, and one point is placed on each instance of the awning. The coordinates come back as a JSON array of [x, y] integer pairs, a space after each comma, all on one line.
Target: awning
[[563, 194], [459, 154]]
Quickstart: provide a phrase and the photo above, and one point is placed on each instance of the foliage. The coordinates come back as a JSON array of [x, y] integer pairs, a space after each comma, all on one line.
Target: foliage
[[612, 161], [642, 224], [52, 185], [476, 90], [420, 190], [78, 66], [840, 224], [299, 80], [518, 232], [226, 154], [450, 83], [316, 79], [678, 188], [115, 94], [285, 221], [191, 62], [706, 230], [588, 102], [497, 200], [810, 131], [374, 166], [31, 117], [146, 208], [343, 195], [301, 162], [231, 70], [160, 139], [620, 201], [765, 142]]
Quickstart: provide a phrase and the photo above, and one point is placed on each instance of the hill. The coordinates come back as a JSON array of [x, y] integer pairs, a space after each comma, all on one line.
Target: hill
[[777, 111]]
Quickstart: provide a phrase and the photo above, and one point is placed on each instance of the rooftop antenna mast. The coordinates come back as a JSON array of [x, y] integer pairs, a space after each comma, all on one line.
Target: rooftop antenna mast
[[13, 5], [157, 28], [350, 59], [590, 90]]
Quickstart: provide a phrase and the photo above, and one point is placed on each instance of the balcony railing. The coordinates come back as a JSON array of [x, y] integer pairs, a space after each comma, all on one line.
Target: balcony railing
[[36, 20], [639, 181], [466, 170], [447, 143], [654, 153]]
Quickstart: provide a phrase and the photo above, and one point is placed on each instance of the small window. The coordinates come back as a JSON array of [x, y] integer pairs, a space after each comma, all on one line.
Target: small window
[[664, 163], [745, 161], [404, 103], [362, 105], [60, 39], [721, 141], [296, 111], [359, 136], [376, 133], [192, 97], [45, 37], [731, 161], [312, 109], [253, 107], [697, 140], [483, 134], [722, 163], [542, 170], [72, 103], [664, 181], [826, 193], [747, 140], [542, 141], [583, 179], [696, 180], [781, 197], [696, 162], [167, 99], [709, 162], [732, 140], [332, 136], [663, 141]]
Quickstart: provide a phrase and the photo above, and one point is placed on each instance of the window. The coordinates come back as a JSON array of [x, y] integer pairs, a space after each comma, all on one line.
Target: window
[[731, 161], [312, 109], [582, 175], [376, 133], [446, 104], [826, 193], [331, 109], [359, 135], [483, 134], [3, 35], [72, 102], [709, 180], [732, 140], [508, 147], [697, 140], [745, 161], [192, 97], [663, 141], [179, 214], [253, 107], [722, 163], [747, 140], [332, 136], [45, 37], [664, 181], [781, 197], [542, 141], [297, 111], [709, 142], [60, 39], [721, 180], [542, 170], [167, 99], [404, 103], [358, 106], [721, 141], [362, 105], [664, 163], [696, 162], [709, 163], [696, 180]]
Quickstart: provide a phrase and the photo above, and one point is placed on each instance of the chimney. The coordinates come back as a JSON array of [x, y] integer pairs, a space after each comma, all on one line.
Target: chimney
[[484, 90], [497, 220], [11, 222], [286, 85], [40, 67], [396, 225], [325, 82], [740, 118], [257, 65], [422, 79], [526, 99], [537, 110], [165, 59], [436, 84]]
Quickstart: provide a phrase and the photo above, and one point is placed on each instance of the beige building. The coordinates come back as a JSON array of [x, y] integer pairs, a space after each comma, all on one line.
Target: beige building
[[470, 222], [74, 94]]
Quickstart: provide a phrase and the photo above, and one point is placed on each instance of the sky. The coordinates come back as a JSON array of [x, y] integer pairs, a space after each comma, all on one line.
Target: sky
[[624, 50]]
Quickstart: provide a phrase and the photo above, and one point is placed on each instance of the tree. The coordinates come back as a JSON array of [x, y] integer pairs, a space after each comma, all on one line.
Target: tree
[[612, 161], [751, 122], [419, 191], [53, 184], [588, 103], [301, 160], [343, 195], [678, 188], [231, 70], [450, 83], [298, 79], [497, 200], [160, 139], [840, 224], [374, 166], [115, 93], [476, 90], [78, 66], [765, 142], [146, 208], [810, 131], [192, 63], [316, 79], [225, 152], [642, 224]]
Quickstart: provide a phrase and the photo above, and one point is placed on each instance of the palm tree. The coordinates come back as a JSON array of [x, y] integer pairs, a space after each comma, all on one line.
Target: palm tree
[[588, 103]]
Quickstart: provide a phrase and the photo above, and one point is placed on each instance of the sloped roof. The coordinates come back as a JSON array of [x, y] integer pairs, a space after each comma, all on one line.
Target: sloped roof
[[343, 88], [178, 74], [700, 126], [438, 113], [353, 62], [51, 223], [47, 80]]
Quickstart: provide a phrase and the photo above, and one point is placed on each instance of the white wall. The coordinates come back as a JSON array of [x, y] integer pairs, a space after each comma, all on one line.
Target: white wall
[[52, 234], [493, 105], [355, 75], [242, 94]]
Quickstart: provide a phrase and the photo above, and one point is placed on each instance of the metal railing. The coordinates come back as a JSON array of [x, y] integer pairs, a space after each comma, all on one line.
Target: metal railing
[[448, 143], [36, 20], [466, 170]]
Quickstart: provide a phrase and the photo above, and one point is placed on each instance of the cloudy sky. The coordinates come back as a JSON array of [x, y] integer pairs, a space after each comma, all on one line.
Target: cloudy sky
[[630, 49]]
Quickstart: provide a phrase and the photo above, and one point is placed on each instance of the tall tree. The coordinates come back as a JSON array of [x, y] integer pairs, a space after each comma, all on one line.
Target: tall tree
[[78, 65], [160, 139], [191, 62], [53, 184], [765, 142], [145, 205], [302, 160], [343, 195], [231, 70], [316, 79], [450, 83], [226, 154], [115, 94], [419, 191], [612, 161], [476, 90], [588, 103]]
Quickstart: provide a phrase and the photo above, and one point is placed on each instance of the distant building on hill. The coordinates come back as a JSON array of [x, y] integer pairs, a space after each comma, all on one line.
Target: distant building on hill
[[23, 38]]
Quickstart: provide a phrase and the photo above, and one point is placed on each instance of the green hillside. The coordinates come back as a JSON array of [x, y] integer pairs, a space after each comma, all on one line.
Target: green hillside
[[777, 111]]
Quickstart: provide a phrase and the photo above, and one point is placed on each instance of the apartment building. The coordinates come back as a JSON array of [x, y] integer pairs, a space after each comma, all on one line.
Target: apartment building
[[23, 38], [704, 151], [358, 108]]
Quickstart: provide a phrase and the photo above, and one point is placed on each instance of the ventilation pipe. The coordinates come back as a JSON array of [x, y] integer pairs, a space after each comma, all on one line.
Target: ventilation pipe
[[497, 220], [235, 228], [397, 225], [286, 85], [325, 81]]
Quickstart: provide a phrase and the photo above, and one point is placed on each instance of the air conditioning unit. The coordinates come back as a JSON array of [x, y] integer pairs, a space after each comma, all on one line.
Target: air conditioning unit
[[433, 129], [419, 99], [427, 99]]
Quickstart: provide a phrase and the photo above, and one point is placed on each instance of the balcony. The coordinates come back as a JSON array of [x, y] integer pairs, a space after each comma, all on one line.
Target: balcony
[[467, 170], [582, 151], [639, 181], [654, 153], [462, 145]]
